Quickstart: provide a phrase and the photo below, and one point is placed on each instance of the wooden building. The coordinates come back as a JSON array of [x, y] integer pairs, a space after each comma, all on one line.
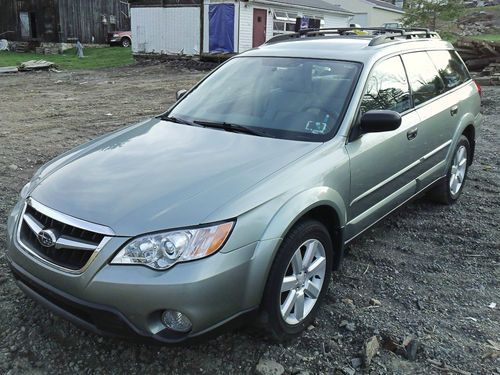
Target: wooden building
[[62, 21]]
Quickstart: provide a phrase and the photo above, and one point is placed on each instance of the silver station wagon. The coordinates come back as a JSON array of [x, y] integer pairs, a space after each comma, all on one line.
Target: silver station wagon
[[241, 197]]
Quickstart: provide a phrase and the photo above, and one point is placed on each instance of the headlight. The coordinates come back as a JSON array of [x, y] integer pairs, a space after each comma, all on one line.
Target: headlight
[[162, 250], [116, 35], [24, 191]]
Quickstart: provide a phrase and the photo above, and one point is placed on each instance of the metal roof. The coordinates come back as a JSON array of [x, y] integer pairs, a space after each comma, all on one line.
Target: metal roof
[[385, 4], [318, 4]]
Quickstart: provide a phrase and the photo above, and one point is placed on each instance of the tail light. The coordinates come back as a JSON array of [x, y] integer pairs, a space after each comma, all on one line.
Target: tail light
[[479, 89]]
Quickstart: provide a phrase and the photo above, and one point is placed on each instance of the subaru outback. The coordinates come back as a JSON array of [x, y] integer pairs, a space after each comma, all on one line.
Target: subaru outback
[[241, 197]]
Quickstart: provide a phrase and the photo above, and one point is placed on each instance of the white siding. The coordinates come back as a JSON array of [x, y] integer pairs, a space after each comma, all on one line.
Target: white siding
[[246, 27], [166, 30], [332, 20], [361, 19]]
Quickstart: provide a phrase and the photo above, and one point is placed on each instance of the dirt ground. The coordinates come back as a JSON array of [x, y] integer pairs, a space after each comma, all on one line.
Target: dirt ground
[[434, 269]]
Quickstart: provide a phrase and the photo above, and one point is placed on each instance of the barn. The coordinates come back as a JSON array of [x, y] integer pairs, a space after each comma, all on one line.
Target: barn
[[193, 27], [61, 21]]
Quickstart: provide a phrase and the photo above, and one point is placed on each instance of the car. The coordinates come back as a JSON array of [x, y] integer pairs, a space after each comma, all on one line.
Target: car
[[122, 38], [236, 204]]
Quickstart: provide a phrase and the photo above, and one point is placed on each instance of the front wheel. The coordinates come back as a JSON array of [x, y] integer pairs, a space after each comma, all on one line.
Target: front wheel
[[449, 189], [298, 279], [126, 42]]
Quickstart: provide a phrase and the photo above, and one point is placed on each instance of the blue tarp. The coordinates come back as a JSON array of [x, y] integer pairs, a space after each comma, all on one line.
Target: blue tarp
[[221, 26]]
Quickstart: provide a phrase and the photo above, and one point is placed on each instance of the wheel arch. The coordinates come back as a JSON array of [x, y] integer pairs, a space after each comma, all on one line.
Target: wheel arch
[[323, 204], [470, 133]]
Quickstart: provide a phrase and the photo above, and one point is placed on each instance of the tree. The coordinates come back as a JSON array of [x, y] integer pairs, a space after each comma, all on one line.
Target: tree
[[426, 13]]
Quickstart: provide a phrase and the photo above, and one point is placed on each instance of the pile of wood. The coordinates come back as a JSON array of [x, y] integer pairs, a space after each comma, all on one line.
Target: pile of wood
[[490, 76], [478, 54]]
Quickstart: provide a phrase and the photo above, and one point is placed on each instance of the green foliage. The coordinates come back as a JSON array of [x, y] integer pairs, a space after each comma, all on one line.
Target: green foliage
[[94, 58], [426, 13]]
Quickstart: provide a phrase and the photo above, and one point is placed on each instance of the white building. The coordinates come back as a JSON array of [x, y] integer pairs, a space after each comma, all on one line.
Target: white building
[[372, 13], [229, 26]]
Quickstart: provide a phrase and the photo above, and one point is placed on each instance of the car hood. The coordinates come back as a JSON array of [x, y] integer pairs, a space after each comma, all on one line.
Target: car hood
[[159, 175]]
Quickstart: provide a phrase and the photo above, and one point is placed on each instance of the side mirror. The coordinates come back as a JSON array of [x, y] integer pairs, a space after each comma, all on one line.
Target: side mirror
[[377, 121], [180, 94]]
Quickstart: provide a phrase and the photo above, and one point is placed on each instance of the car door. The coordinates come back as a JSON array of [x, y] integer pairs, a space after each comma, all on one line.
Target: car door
[[437, 109], [382, 175]]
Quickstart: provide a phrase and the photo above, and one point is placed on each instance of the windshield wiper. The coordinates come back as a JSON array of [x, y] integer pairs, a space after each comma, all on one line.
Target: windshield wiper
[[177, 120], [232, 128]]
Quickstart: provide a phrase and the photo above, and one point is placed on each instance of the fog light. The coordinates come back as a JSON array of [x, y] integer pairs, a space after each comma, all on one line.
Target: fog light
[[176, 321]]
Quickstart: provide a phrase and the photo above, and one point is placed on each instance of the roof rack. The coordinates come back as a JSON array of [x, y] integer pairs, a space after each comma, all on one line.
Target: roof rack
[[382, 35]]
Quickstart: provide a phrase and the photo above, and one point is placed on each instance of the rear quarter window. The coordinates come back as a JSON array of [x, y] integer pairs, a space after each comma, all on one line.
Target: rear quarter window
[[451, 69], [425, 80]]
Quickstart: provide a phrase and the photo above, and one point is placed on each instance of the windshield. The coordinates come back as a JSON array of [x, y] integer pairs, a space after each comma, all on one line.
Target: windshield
[[290, 98]]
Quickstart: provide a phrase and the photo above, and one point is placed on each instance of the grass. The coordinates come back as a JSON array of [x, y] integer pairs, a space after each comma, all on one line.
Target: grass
[[488, 37], [494, 8], [95, 58]]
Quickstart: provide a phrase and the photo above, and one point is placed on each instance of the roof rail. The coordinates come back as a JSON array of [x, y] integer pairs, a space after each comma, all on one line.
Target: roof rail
[[380, 35]]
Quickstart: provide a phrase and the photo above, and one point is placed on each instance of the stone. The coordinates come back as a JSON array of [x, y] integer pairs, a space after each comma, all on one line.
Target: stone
[[269, 367], [375, 302], [370, 349], [356, 362], [13, 167]]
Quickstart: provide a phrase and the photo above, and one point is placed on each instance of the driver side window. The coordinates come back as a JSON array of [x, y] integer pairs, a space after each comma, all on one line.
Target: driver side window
[[387, 87]]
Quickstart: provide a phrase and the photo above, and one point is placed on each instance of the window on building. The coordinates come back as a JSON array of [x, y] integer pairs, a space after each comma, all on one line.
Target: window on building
[[387, 88], [284, 22], [425, 80]]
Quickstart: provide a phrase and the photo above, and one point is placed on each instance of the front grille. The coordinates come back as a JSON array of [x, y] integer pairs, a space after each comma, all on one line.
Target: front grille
[[70, 258]]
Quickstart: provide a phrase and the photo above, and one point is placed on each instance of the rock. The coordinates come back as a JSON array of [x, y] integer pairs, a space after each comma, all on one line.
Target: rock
[[348, 301], [350, 327], [375, 302], [269, 367], [412, 349], [348, 370], [356, 362], [13, 167], [370, 349], [420, 304]]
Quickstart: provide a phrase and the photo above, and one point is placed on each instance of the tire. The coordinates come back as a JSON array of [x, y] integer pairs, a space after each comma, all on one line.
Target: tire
[[450, 188], [126, 42], [311, 240]]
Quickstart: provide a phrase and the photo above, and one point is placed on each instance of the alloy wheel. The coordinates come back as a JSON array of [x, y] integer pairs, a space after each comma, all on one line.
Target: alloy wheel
[[458, 169], [303, 281]]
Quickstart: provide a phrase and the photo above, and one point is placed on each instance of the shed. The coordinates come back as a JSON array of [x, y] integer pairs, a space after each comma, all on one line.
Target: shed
[[194, 27], [60, 21]]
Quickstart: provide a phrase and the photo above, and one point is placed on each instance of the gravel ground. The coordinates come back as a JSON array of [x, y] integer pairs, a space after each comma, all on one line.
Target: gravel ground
[[432, 270]]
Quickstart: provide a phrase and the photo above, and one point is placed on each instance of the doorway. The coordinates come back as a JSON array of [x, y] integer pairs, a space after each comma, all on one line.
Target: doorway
[[259, 27]]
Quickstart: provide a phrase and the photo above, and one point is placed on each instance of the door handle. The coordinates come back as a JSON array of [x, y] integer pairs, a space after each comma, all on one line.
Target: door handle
[[412, 134], [454, 110]]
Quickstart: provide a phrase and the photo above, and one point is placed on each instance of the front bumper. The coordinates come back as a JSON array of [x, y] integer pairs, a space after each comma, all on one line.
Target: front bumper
[[125, 300]]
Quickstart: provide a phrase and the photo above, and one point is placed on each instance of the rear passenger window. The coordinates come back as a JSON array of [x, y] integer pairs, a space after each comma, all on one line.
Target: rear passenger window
[[425, 80], [450, 67], [387, 88]]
